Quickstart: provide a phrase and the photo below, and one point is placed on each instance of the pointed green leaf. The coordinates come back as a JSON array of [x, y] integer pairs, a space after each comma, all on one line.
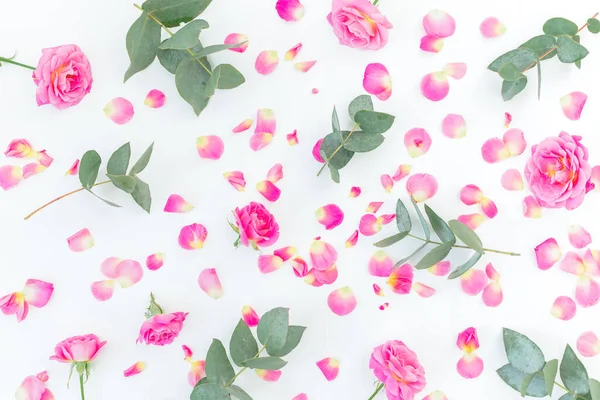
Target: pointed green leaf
[[525, 384], [436, 255], [405, 259], [335, 174], [466, 235], [170, 59], [569, 51], [595, 389], [273, 329], [573, 373], [110, 203], [387, 242], [224, 76], [560, 27], [362, 102], [403, 221], [238, 393], [362, 142], [208, 50], [374, 122], [521, 58], [514, 378], [522, 353], [440, 227], [466, 266], [541, 45], [332, 144], [185, 38], [539, 81], [335, 122], [191, 79], [424, 225], [209, 391], [550, 370], [141, 194], [172, 13], [292, 340], [124, 182], [267, 363], [88, 168], [511, 89], [218, 368], [119, 160], [143, 161], [242, 345], [510, 72], [142, 42]]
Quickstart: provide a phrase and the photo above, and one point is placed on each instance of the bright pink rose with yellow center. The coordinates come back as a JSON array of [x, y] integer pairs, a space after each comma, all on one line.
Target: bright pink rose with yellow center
[[359, 24]]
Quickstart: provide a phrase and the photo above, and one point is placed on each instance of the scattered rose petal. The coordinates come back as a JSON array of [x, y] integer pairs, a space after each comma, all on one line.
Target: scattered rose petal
[[268, 376], [10, 176], [352, 240], [369, 225], [177, 204], [492, 27], [489, 208], [210, 284], [32, 169], [355, 191], [265, 129], [192, 237], [417, 142], [421, 187], [129, 272], [507, 119], [564, 308], [432, 43], [20, 148], [235, 38], [434, 86], [236, 179], [492, 295], [300, 267], [314, 91], [341, 302], [440, 269], [155, 261], [473, 281], [573, 264], [374, 206], [547, 254], [275, 174], [328, 276], [155, 99], [304, 66], [109, 267], [330, 216], [292, 138], [494, 150], [311, 280], [471, 194], [293, 52], [531, 207], [250, 316], [210, 147], [439, 23], [301, 396], [455, 70], [437, 395], [44, 158], [572, 105], [37, 293], [103, 290], [470, 366], [454, 126], [512, 180], [243, 126], [384, 306], [135, 369], [266, 62], [377, 81], [380, 264], [401, 279], [387, 182], [588, 344], [285, 253], [423, 290], [330, 367], [402, 172], [119, 110], [378, 291], [467, 340], [514, 141], [579, 237], [322, 255], [81, 241], [14, 303], [587, 292], [74, 169], [269, 263], [290, 10], [268, 190], [316, 151], [386, 218], [197, 372]]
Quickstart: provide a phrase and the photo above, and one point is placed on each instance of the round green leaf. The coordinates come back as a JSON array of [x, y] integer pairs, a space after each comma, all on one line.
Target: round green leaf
[[88, 168], [593, 26], [362, 102], [143, 161], [119, 160], [573, 373], [242, 345], [570, 51], [342, 157], [522, 353], [238, 393], [267, 363], [510, 72], [511, 89], [560, 27], [374, 122], [273, 329], [361, 142], [187, 37], [224, 76], [172, 13], [521, 58], [142, 42], [209, 391], [191, 78], [514, 378]]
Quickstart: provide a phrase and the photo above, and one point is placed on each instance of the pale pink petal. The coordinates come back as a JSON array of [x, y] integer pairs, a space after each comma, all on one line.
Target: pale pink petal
[[591, 261], [210, 147], [316, 151], [564, 308], [374, 206], [386, 218], [260, 140], [507, 119], [269, 263], [492, 27], [290, 10], [330, 367], [266, 62], [236, 38], [177, 204], [268, 190], [369, 225], [421, 187], [432, 43], [378, 291], [192, 237], [380, 264], [470, 366], [579, 237], [154, 261], [81, 241], [512, 180], [275, 174], [355, 191], [384, 306], [573, 264], [285, 253], [473, 281], [489, 208], [300, 267], [135, 369], [595, 178], [417, 142], [14, 303], [492, 295], [209, 283], [473, 221], [103, 290], [514, 141], [387, 182], [304, 66], [547, 254], [314, 91], [494, 150], [119, 110], [243, 126], [129, 272], [531, 207], [292, 138], [377, 81], [20, 148], [74, 169], [32, 169], [437, 395], [155, 99], [10, 176], [330, 216], [454, 126], [322, 255], [236, 179], [326, 277], [293, 52], [342, 301], [44, 158], [439, 23], [268, 376], [37, 293], [301, 396], [250, 316], [491, 272], [401, 279], [434, 86], [588, 344], [402, 172], [109, 267], [455, 70], [423, 290], [352, 240], [440, 269], [471, 194], [587, 292], [197, 372], [572, 105]]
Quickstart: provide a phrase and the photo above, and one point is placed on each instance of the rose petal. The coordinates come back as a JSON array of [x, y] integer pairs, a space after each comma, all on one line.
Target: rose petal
[[437, 395], [236, 179], [37, 293], [300, 267], [301, 396], [355, 191], [322, 255], [514, 141], [591, 261], [531, 207], [402, 172], [454, 126], [192, 237], [330, 216], [587, 292], [44, 158], [109, 267], [269, 263], [384, 306], [352, 240], [492, 295], [81, 241], [292, 138], [489, 208], [155, 261], [119, 110], [235, 38], [243, 126], [10, 176], [588, 344], [316, 151], [268, 376], [135, 369], [285, 253], [32, 169], [432, 43], [314, 91], [473, 221], [74, 169], [330, 367], [341, 302], [421, 187], [304, 66], [197, 372], [20, 148], [155, 99], [572, 105], [260, 140], [417, 142], [250, 316], [439, 23], [380, 264], [470, 366], [290, 10], [455, 70], [326, 277], [547, 254], [129, 272], [512, 180], [377, 81], [386, 218], [564, 308], [210, 147], [595, 177], [268, 190], [471, 194], [434, 86], [573, 264], [378, 291], [473, 281], [401, 279], [210, 284], [293, 52], [492, 27], [177, 204], [579, 237], [369, 225], [494, 150], [103, 290], [423, 290], [266, 62], [387, 182], [374, 206]]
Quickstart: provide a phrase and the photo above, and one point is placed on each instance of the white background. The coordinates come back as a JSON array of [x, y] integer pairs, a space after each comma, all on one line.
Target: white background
[[38, 248]]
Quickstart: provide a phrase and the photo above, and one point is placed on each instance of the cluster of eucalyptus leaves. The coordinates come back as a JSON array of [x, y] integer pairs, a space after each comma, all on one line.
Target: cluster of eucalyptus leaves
[[116, 172], [531, 375], [447, 232], [339, 147], [182, 53], [561, 38], [277, 337]]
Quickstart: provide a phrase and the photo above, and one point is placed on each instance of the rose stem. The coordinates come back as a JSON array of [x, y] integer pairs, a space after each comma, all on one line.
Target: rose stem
[[508, 253], [375, 2], [81, 387], [62, 197], [380, 386], [9, 61], [336, 150]]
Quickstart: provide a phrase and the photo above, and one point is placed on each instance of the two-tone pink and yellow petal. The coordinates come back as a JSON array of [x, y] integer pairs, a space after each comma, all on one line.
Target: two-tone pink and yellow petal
[[275, 174], [380, 264], [293, 52], [587, 292], [573, 264], [454, 126], [300, 267], [192, 237], [342, 301], [32, 169], [243, 126], [250, 316], [322, 255], [304, 66], [285, 253], [471, 194], [237, 38], [470, 366], [210, 284], [330, 216], [437, 395], [236, 179], [301, 396], [423, 290], [572, 105], [455, 70], [377, 289], [135, 369], [155, 99], [197, 372], [326, 277], [268, 190], [269, 263], [488, 207], [492, 27], [155, 261], [547, 254], [439, 23], [434, 86], [588, 344], [74, 169], [531, 207], [210, 147], [268, 376], [564, 308], [421, 187], [507, 119], [177, 204], [402, 172], [290, 10], [292, 138], [374, 206], [266, 62], [579, 236], [355, 191], [387, 182], [37, 293], [20, 148], [119, 110], [440, 269], [81, 241], [467, 340], [432, 43], [10, 176], [369, 225], [512, 180], [494, 150], [384, 306], [417, 142], [401, 279], [330, 367], [103, 290], [473, 281], [44, 158], [377, 81], [514, 140], [352, 240], [129, 272], [260, 140], [492, 295]]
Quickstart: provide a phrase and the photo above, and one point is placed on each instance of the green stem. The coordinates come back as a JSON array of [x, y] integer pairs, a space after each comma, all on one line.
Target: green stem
[[338, 149], [375, 2], [459, 246], [380, 386], [81, 387], [9, 61], [245, 368], [171, 34]]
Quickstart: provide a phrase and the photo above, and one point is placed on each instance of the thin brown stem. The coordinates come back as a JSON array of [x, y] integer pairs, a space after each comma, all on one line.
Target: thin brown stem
[[338, 149], [586, 24], [460, 246]]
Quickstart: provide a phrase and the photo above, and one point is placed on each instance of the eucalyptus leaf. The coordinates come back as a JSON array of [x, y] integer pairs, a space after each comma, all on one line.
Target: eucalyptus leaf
[[461, 269], [191, 79], [573, 373], [334, 173], [514, 378], [522, 58], [511, 89], [510, 72], [436, 255], [294, 335], [141, 194], [238, 393], [374, 122], [440, 227], [224, 76], [560, 27], [593, 26], [569, 51], [119, 160], [267, 363], [550, 370], [218, 368], [124, 182], [539, 80], [171, 13], [208, 50], [403, 221], [185, 38], [525, 384], [209, 391], [331, 144], [361, 142], [142, 42], [110, 203], [595, 389], [541, 45], [522, 353], [143, 161], [466, 235], [415, 252], [362, 102], [273, 329], [242, 345], [424, 225], [88, 168], [170, 59], [335, 123], [387, 242]]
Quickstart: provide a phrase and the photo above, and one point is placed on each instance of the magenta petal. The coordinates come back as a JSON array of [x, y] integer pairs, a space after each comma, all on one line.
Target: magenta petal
[[434, 86]]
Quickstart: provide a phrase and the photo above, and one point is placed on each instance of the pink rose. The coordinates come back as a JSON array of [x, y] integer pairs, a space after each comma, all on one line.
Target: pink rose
[[257, 225], [398, 368], [63, 76], [359, 24], [34, 388], [558, 172], [78, 349], [161, 329]]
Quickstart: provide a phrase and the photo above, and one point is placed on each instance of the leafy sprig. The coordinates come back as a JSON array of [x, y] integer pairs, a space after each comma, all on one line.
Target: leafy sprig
[[116, 172], [531, 375], [561, 38], [277, 337], [182, 54], [339, 147], [447, 232]]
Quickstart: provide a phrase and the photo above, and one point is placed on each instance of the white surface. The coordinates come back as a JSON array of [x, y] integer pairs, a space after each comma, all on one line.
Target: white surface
[[38, 249]]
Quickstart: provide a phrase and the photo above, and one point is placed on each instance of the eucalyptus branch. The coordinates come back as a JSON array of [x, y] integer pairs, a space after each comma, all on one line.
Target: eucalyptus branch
[[245, 368]]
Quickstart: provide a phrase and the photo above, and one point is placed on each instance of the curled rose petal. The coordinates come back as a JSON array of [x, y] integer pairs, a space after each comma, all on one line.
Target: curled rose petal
[[402, 172], [434, 86], [236, 179], [579, 237], [423, 290], [197, 372], [473, 221], [300, 267], [492, 273], [369, 225], [275, 174], [155, 99], [210, 147], [512, 180], [432, 43], [494, 150], [322, 255], [20, 148], [37, 293], [440, 269], [514, 141], [293, 52], [455, 70], [342, 301], [547, 254], [473, 281], [285, 253], [421, 187], [265, 129], [266, 62], [492, 27], [177, 204], [437, 395], [330, 367], [355, 191], [588, 344], [417, 142], [155, 261], [387, 182], [32, 169], [572, 105], [109, 267], [135, 369], [14, 303], [243, 126], [380, 264], [103, 290], [489, 208], [386, 218], [10, 176], [467, 340], [377, 81], [378, 291], [268, 376], [81, 241], [268, 190], [316, 151], [564, 308], [471, 194], [304, 66], [470, 366], [188, 352], [192, 237], [292, 138], [250, 316], [374, 206], [210, 284], [269, 263], [352, 240], [573, 264], [235, 38], [401, 279], [330, 216], [454, 126], [129, 272], [119, 110], [439, 23], [44, 158], [326, 277], [587, 292], [74, 169], [290, 10], [531, 207], [492, 295]]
